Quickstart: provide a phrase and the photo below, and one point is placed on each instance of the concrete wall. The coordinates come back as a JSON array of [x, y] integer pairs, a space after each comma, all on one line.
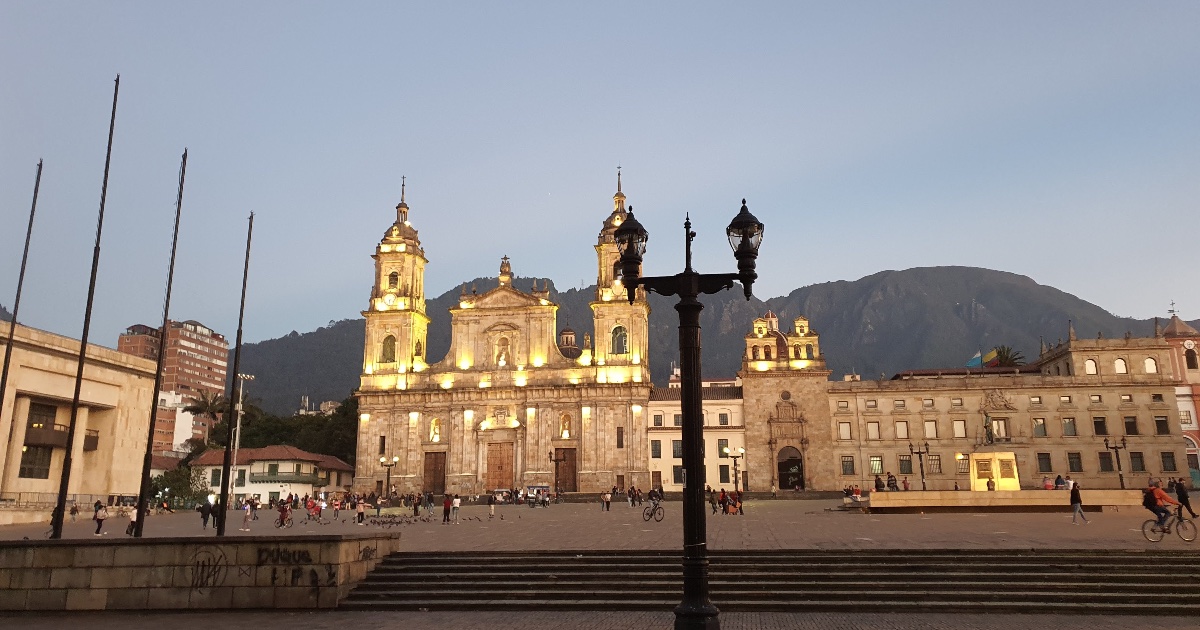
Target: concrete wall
[[187, 573]]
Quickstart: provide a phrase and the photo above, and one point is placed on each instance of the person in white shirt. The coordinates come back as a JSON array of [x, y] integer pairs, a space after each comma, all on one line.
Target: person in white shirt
[[454, 505]]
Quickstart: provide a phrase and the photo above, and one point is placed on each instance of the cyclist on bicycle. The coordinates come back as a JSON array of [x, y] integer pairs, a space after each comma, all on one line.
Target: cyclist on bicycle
[[1155, 500], [285, 510]]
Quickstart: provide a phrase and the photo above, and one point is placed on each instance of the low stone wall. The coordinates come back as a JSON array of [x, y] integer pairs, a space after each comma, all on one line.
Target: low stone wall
[[1000, 501], [187, 573]]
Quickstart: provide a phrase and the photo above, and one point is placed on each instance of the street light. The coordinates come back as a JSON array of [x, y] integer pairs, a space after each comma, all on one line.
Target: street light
[[745, 235], [1116, 449], [237, 432], [389, 465], [741, 453], [555, 460], [920, 453]]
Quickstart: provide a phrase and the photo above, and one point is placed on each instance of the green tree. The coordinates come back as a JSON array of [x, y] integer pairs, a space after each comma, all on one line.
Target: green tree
[[185, 485], [1007, 357]]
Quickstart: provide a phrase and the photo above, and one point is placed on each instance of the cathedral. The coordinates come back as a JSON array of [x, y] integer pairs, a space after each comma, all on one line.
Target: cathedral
[[515, 403], [518, 403]]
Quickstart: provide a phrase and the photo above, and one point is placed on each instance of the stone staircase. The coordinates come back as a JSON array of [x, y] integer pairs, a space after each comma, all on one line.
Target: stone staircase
[[1082, 581]]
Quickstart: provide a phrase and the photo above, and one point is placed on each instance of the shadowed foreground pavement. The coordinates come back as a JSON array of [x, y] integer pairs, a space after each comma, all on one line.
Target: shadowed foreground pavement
[[517, 620]]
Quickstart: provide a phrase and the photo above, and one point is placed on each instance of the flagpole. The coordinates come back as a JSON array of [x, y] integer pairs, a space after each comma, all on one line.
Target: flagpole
[[12, 326], [232, 413], [147, 459], [56, 523]]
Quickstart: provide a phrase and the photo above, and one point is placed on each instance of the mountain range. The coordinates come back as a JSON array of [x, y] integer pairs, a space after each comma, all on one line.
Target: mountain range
[[928, 317]]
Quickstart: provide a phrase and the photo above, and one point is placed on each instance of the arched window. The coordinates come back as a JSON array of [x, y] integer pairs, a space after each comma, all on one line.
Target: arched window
[[502, 352], [1120, 367], [393, 280], [1151, 366], [796, 352], [1057, 371], [1089, 366], [754, 353], [1190, 358], [808, 351], [620, 341], [766, 353], [418, 349], [387, 353]]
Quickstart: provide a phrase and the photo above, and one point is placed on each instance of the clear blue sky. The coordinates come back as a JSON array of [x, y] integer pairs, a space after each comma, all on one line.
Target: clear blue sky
[[1057, 140]]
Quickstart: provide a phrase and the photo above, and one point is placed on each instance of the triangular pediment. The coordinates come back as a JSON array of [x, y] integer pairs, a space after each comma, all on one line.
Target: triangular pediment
[[505, 297]]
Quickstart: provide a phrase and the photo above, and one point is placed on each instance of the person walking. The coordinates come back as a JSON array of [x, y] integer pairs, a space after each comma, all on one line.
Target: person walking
[[454, 505], [1077, 505], [1181, 493], [361, 511], [74, 512], [247, 514], [132, 522], [446, 503], [712, 499], [100, 516], [205, 511], [492, 504], [774, 492]]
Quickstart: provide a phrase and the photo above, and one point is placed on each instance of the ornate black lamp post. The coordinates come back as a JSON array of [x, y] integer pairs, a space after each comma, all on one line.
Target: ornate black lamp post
[[1116, 449], [745, 234], [920, 453], [389, 465], [741, 452]]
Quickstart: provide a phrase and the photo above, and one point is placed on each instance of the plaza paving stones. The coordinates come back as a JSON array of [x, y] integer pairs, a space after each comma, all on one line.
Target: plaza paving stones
[[614, 620], [767, 525]]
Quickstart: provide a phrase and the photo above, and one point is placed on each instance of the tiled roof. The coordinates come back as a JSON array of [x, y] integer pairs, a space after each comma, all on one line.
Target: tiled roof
[[708, 393], [275, 452], [1179, 328], [162, 462]]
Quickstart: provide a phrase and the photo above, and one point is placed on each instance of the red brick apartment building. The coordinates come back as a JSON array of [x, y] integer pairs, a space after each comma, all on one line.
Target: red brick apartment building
[[196, 361]]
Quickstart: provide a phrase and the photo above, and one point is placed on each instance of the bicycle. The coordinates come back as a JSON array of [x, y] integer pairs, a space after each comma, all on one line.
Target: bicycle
[[655, 511], [1184, 527], [281, 522]]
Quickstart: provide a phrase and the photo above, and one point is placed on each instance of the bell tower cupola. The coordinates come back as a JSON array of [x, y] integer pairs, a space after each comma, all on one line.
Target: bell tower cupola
[[396, 320], [621, 328]]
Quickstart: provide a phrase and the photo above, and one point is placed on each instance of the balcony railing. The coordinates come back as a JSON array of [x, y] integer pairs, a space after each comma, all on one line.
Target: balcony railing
[[285, 477], [39, 434]]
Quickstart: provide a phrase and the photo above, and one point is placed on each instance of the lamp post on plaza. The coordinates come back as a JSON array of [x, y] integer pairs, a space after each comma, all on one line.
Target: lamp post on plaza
[[745, 235], [389, 465], [920, 453], [555, 460], [741, 452], [237, 431], [1116, 449]]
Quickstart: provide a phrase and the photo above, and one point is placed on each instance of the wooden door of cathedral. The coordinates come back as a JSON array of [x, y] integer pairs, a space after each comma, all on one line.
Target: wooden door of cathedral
[[499, 466], [435, 473], [568, 479]]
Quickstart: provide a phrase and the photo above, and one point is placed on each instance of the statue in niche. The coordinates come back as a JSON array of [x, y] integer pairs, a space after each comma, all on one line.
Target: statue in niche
[[435, 430], [502, 352], [564, 426]]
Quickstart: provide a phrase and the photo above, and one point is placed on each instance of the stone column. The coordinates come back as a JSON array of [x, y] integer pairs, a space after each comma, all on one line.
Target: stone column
[[12, 460], [82, 422]]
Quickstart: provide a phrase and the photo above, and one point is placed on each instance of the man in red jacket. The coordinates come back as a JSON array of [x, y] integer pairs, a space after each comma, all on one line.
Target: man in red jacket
[[1155, 500]]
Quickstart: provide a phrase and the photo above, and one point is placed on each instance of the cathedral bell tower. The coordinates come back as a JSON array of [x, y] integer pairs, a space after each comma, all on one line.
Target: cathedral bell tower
[[621, 327], [396, 319]]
